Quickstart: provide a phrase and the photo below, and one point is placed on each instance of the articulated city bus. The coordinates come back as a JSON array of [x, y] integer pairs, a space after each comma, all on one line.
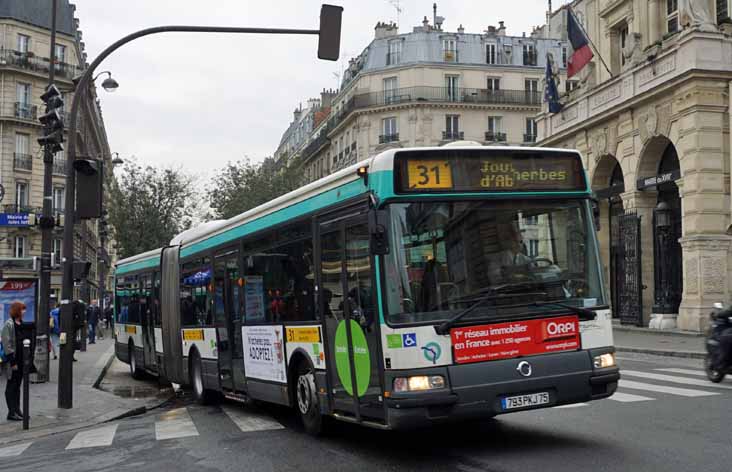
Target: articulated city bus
[[422, 285]]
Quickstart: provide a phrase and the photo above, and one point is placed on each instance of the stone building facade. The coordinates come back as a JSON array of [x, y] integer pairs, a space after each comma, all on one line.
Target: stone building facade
[[431, 86], [654, 132], [24, 65]]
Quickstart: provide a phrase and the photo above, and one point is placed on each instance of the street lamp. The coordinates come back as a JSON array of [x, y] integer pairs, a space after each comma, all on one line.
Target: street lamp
[[109, 84], [117, 160]]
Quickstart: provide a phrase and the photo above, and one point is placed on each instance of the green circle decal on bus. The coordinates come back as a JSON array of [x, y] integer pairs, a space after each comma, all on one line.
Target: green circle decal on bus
[[361, 358]]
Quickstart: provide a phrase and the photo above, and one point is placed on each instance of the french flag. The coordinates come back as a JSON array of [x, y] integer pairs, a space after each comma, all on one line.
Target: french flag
[[582, 53]]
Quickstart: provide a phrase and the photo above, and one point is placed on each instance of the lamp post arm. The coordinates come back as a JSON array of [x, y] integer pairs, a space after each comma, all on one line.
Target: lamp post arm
[[65, 391]]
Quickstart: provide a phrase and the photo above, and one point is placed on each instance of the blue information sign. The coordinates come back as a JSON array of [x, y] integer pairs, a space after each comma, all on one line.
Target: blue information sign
[[14, 219]]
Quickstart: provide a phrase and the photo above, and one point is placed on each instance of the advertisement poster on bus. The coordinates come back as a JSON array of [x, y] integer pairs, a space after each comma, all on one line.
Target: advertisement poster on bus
[[18, 291], [514, 339], [254, 297], [264, 353]]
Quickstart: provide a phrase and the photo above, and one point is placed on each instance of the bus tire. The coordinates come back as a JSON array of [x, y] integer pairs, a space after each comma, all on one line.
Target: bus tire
[[306, 399], [135, 370], [201, 395]]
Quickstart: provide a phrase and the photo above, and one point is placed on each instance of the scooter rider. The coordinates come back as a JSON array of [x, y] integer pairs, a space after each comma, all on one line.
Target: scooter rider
[[724, 356]]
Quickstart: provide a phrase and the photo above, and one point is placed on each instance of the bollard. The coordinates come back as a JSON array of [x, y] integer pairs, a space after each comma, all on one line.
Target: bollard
[[41, 360], [26, 390]]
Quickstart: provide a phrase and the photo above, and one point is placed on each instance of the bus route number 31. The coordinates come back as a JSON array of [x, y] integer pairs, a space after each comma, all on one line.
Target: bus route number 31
[[429, 174]]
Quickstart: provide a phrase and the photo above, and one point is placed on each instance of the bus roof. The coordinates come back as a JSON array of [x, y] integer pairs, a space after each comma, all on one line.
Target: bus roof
[[139, 261]]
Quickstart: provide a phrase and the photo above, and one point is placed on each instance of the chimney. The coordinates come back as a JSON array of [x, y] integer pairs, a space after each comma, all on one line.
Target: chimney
[[501, 28], [296, 114], [385, 30], [461, 30], [426, 24], [326, 97]]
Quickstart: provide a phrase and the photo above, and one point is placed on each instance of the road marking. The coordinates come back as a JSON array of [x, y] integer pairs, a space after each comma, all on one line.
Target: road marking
[[684, 392], [12, 451], [629, 397], [675, 370], [94, 437], [675, 379], [175, 424], [248, 421], [571, 405]]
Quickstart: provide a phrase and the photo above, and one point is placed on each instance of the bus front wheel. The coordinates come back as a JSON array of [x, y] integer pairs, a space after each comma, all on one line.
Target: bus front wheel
[[134, 369], [308, 404]]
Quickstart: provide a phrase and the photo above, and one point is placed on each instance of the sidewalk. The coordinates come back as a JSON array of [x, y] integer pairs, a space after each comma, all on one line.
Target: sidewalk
[[91, 405], [674, 343]]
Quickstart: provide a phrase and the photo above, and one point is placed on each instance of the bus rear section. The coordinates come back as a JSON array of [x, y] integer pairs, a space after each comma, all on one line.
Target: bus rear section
[[495, 304]]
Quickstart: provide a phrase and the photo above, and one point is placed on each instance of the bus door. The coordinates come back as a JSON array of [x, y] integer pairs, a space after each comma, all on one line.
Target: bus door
[[227, 301], [147, 320], [350, 317]]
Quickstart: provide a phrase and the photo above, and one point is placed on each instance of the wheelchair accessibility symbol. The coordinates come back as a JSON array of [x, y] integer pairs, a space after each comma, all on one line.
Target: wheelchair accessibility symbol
[[409, 339]]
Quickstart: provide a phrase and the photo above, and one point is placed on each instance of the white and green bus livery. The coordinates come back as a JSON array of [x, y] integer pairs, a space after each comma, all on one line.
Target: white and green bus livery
[[422, 285]]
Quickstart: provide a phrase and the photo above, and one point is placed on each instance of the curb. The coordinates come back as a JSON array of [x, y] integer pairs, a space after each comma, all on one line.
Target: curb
[[657, 332], [104, 370], [663, 352]]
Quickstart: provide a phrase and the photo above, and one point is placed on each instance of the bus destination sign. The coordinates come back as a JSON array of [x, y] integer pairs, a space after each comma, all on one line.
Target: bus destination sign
[[490, 172]]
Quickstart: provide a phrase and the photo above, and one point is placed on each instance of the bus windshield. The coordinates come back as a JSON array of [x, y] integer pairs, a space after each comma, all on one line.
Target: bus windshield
[[445, 256]]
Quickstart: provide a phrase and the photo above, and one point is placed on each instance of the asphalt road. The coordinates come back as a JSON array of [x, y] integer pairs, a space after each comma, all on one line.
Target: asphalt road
[[669, 420]]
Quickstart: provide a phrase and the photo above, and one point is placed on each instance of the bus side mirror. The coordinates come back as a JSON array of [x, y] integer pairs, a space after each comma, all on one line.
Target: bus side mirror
[[379, 228]]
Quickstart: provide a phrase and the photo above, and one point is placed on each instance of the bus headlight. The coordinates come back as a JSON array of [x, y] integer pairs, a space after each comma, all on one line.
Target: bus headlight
[[418, 383], [604, 360]]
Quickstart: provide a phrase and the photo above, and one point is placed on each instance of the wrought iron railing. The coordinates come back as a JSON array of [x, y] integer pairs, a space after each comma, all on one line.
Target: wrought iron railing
[[388, 138], [452, 135], [22, 161], [59, 166], [15, 208], [28, 61], [495, 136], [529, 138], [26, 111]]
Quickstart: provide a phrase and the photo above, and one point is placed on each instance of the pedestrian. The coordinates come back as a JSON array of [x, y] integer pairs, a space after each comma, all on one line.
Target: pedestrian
[[92, 318], [55, 329], [13, 346]]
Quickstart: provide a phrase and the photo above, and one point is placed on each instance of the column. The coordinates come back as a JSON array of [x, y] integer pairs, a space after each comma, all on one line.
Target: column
[[654, 21]]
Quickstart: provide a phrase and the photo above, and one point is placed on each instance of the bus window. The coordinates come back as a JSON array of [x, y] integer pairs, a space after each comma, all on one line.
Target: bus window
[[156, 300], [358, 267], [331, 249], [195, 286]]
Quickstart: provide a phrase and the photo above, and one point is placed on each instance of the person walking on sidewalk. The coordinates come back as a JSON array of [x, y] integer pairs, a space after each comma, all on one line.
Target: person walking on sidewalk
[[13, 346], [92, 318], [55, 329]]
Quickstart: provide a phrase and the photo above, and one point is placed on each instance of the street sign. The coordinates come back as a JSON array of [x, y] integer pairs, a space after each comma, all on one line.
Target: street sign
[[15, 219]]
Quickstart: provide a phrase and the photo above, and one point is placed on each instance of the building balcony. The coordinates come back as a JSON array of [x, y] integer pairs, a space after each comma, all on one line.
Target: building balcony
[[22, 208], [388, 138], [453, 135], [529, 138], [22, 162], [521, 98], [41, 65], [494, 136], [26, 111]]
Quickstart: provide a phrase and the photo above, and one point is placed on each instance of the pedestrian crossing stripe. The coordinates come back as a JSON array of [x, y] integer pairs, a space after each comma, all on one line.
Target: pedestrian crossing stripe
[[175, 424], [629, 397], [674, 379], [248, 422], [94, 437], [684, 392], [16, 450], [674, 370]]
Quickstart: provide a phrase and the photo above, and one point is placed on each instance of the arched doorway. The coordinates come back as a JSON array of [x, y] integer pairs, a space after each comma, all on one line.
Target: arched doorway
[[668, 279]]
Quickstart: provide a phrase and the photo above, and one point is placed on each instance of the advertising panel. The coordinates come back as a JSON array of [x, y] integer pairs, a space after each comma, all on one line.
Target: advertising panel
[[18, 291], [254, 298], [515, 339], [264, 354]]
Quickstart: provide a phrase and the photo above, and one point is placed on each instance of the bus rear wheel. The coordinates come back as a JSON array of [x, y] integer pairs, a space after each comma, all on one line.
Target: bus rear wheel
[[201, 395], [306, 396]]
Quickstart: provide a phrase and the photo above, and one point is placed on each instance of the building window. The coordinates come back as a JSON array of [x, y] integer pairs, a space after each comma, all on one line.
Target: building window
[[491, 53], [394, 55], [452, 91], [564, 57], [722, 11], [533, 248], [672, 15], [23, 43], [60, 55], [452, 127], [390, 89], [570, 85], [20, 246], [531, 220], [531, 87], [449, 49], [494, 129], [494, 84], [21, 195], [389, 129], [530, 135], [529, 55], [59, 196], [57, 248], [22, 144], [23, 94]]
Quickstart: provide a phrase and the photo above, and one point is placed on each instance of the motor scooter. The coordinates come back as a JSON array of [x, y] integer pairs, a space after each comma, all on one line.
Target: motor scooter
[[721, 319]]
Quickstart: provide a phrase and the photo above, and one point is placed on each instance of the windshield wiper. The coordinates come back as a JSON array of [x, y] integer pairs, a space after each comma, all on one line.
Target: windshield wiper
[[444, 327], [584, 314]]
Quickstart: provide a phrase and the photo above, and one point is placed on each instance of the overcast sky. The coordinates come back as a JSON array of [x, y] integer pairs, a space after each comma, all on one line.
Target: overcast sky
[[202, 100]]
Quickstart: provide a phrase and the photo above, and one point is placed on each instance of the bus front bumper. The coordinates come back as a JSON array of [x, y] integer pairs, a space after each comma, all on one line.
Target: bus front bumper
[[477, 390]]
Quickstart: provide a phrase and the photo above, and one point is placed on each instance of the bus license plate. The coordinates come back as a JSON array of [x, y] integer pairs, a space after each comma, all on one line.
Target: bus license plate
[[523, 401]]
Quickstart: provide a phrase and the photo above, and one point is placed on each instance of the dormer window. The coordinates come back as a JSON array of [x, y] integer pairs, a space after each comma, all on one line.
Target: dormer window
[[394, 56], [491, 53], [449, 49], [529, 54]]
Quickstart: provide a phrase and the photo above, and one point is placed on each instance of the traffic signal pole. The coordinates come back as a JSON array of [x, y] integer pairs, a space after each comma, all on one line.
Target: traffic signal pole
[[47, 224], [328, 48]]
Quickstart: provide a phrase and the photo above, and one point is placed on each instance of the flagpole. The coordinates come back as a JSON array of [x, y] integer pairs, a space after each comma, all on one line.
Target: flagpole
[[597, 51]]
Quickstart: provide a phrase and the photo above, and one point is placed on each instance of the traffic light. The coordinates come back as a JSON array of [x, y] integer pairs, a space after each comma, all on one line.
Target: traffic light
[[329, 39], [53, 123], [89, 188], [81, 270]]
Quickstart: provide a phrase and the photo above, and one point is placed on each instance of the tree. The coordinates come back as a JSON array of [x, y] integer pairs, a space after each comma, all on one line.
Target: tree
[[149, 206], [243, 185]]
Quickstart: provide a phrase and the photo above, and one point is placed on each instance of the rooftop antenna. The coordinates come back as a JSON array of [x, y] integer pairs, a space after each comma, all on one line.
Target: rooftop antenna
[[398, 8], [434, 14]]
